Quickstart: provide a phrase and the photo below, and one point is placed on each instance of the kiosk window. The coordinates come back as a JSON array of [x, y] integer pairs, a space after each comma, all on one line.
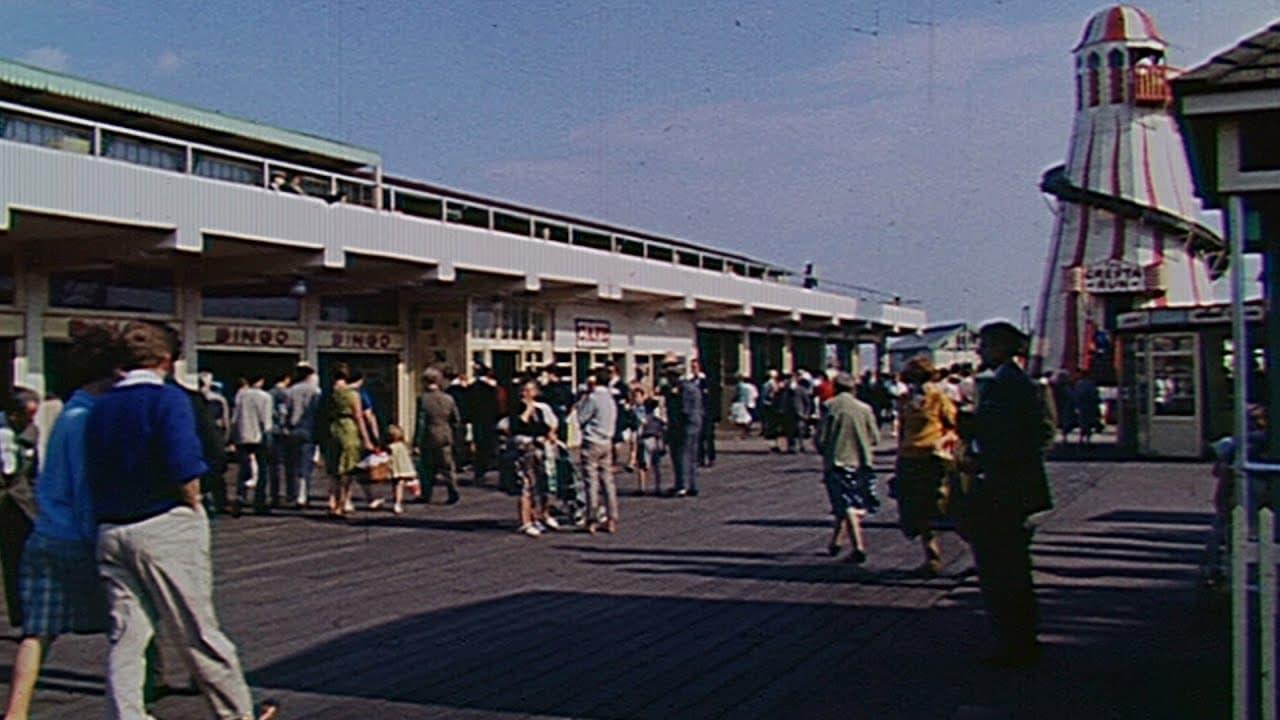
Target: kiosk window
[[119, 289], [249, 302], [1173, 385]]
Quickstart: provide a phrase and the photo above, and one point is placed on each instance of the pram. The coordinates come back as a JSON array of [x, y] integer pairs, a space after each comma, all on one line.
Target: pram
[[559, 478]]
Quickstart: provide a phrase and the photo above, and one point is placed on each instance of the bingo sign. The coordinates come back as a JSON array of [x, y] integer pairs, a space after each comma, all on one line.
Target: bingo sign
[[255, 336], [361, 340], [1113, 277], [592, 333]]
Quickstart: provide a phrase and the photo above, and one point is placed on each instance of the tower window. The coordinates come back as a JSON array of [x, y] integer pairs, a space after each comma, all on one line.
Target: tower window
[[1115, 76], [1094, 95]]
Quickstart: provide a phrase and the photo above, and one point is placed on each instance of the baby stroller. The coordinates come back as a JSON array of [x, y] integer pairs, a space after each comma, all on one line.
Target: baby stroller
[[564, 485]]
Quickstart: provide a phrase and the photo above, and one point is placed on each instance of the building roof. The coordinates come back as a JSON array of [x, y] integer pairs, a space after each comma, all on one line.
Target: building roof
[[1255, 61], [55, 84], [928, 338], [1120, 23]]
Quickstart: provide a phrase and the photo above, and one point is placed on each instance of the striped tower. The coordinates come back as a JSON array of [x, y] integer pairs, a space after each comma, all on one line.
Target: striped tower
[[1127, 234]]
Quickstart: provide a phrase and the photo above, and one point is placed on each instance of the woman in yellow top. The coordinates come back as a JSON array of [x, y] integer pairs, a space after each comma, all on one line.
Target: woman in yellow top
[[926, 436]]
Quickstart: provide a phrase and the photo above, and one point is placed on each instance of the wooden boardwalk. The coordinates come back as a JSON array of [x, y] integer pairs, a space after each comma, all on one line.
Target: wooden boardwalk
[[724, 605]]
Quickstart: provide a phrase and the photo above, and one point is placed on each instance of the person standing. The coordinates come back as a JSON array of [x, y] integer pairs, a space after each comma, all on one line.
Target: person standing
[[710, 389], [532, 431], [483, 412], [302, 403], [1088, 402], [438, 423], [848, 437], [153, 534], [598, 416], [925, 445], [278, 448], [251, 422], [58, 582], [685, 413], [1007, 454], [743, 409], [457, 389]]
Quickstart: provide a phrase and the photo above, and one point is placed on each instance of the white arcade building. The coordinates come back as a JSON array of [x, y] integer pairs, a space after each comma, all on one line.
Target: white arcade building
[[1127, 235]]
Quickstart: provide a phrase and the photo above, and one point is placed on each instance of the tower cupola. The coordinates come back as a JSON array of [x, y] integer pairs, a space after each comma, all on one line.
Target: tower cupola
[[1120, 60]]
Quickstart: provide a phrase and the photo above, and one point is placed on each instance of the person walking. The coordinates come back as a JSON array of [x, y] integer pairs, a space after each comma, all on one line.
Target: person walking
[[925, 449], [58, 579], [153, 552], [18, 442], [438, 422], [1007, 455], [598, 417], [742, 411], [302, 403], [651, 428], [344, 437], [251, 423], [403, 470], [848, 436]]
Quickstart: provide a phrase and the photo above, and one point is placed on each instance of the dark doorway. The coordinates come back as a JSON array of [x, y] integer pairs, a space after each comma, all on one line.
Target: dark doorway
[[504, 369], [229, 366]]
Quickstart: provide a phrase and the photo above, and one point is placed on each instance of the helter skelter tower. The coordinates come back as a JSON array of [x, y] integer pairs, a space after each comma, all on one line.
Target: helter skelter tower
[[1127, 234]]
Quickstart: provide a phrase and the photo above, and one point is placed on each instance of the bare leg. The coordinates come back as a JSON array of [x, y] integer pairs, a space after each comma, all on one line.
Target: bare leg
[[858, 553], [26, 670], [837, 532]]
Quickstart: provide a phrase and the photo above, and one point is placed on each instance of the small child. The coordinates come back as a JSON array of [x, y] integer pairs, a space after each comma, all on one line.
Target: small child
[[403, 471], [652, 446]]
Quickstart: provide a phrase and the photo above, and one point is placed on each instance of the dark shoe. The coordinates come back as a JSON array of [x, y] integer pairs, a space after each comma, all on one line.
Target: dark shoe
[[263, 510], [929, 569], [693, 493], [833, 549], [856, 557], [453, 498]]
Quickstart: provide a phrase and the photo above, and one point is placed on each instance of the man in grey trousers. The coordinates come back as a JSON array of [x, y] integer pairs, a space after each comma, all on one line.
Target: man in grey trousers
[[598, 415], [145, 463]]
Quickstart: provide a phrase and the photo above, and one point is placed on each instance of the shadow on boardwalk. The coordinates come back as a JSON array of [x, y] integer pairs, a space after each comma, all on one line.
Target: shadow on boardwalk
[[1115, 648]]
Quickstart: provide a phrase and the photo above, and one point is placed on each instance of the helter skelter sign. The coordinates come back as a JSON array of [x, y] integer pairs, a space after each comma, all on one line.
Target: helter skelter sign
[[1113, 277]]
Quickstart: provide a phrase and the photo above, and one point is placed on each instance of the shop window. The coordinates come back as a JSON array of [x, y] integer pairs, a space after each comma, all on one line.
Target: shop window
[[227, 169], [420, 206], [119, 289], [661, 252], [6, 280], [594, 240], [372, 309], [547, 231], [507, 320], [1259, 142], [31, 131], [463, 214], [249, 302], [143, 152], [1094, 93], [634, 248], [514, 224], [1115, 75], [355, 193]]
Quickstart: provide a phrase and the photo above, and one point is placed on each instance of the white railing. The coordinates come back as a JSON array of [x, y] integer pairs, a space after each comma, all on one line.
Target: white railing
[[1250, 666], [89, 137]]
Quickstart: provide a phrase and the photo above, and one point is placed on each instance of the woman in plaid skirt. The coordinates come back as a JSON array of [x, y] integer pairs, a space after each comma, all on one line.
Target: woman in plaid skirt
[[58, 583]]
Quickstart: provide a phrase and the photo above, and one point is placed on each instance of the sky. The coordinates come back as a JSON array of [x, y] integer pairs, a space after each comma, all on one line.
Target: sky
[[896, 144]]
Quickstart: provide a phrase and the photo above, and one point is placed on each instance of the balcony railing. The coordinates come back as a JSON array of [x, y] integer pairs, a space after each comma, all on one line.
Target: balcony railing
[[1150, 85], [19, 123]]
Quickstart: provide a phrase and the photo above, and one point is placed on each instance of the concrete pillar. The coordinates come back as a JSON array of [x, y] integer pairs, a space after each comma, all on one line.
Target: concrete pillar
[[1271, 291], [788, 354], [29, 369], [309, 314], [188, 297]]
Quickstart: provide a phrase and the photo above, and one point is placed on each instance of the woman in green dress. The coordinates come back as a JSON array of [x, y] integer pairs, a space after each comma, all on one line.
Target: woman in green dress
[[346, 436]]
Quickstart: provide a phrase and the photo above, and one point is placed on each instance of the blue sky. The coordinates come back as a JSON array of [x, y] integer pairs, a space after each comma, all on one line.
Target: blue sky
[[897, 144]]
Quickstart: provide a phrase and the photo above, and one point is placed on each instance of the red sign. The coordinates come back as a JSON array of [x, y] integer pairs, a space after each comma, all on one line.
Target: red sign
[[592, 333]]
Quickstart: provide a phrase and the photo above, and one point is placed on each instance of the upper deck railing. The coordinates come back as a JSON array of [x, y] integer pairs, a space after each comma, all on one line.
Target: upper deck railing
[[1151, 86], [20, 123]]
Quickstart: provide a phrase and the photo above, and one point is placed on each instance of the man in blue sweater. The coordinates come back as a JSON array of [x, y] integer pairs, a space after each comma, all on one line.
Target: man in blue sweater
[[145, 464]]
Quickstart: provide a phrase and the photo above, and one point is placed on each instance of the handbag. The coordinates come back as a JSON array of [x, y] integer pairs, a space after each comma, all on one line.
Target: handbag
[[378, 466]]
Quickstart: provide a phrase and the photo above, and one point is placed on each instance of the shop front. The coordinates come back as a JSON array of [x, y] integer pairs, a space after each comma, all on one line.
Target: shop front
[[234, 351], [377, 355], [1175, 379], [637, 339]]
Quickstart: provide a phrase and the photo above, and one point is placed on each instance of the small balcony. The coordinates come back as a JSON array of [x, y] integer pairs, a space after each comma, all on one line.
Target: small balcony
[[1150, 85]]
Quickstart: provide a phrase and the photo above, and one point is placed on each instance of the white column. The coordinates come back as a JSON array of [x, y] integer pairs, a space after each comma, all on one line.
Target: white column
[[188, 296], [29, 367], [309, 314]]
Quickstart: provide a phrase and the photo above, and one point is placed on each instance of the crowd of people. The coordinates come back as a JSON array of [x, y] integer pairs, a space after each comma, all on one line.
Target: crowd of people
[[134, 464]]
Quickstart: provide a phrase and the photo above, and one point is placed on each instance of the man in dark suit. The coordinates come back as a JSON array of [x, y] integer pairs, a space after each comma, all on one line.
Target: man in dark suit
[[437, 425], [484, 408], [1008, 451]]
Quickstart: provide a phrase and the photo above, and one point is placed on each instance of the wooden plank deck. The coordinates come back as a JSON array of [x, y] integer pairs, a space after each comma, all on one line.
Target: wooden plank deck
[[724, 605]]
